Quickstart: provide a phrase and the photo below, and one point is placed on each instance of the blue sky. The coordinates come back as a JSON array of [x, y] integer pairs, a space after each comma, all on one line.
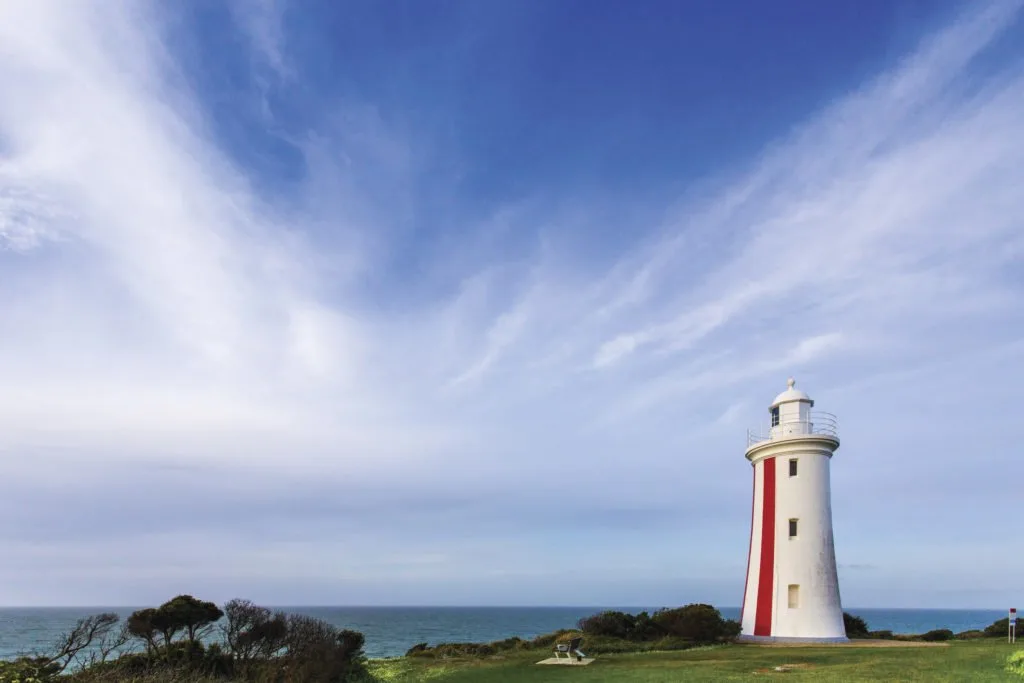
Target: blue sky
[[472, 303]]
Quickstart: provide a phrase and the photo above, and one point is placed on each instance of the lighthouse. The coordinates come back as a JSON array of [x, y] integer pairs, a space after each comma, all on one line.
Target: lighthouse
[[792, 588]]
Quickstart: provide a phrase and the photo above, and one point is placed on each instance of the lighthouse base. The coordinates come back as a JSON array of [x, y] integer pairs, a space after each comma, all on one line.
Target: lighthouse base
[[784, 639]]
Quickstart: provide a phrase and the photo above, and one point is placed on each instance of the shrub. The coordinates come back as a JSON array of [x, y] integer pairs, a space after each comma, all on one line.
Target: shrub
[[28, 670], [855, 626], [611, 624], [513, 643], [699, 623], [1015, 663], [259, 646], [549, 639], [731, 628], [317, 652], [938, 634], [416, 649], [998, 629], [881, 635]]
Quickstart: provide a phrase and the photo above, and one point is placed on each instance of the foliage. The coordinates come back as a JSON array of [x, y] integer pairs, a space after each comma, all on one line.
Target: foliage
[[549, 639], [186, 613], [937, 635], [253, 632], [1015, 663], [998, 629], [513, 643], [880, 635], [698, 622], [91, 640], [140, 625], [608, 632], [319, 652], [258, 647], [28, 670], [855, 626], [611, 624]]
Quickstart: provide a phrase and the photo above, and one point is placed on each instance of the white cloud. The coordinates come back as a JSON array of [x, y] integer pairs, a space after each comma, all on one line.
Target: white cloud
[[155, 306]]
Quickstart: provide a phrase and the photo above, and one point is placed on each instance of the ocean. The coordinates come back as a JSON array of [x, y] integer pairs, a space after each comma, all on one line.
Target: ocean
[[390, 631]]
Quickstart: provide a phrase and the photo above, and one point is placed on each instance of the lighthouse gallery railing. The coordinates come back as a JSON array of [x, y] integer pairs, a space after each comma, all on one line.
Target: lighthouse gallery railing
[[820, 422]]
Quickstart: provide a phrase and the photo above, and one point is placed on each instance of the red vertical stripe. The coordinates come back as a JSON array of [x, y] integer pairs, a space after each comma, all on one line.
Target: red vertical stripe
[[766, 579], [750, 545]]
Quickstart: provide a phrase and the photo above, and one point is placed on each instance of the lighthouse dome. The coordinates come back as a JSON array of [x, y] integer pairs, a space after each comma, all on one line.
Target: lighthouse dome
[[791, 394]]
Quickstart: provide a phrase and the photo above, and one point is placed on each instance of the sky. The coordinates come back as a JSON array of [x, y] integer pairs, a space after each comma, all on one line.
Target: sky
[[464, 303]]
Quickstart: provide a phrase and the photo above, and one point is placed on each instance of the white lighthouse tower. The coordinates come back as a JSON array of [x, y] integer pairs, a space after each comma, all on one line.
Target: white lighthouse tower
[[792, 589]]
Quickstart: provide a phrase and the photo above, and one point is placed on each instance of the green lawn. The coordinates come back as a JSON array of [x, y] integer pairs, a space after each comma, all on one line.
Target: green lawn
[[960, 661]]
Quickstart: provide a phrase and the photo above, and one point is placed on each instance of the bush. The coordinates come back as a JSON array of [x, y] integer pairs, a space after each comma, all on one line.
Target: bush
[[416, 649], [27, 670], [513, 643], [549, 639], [1015, 663], [881, 635], [731, 628], [937, 635], [998, 629], [855, 626], [611, 624], [317, 652], [699, 623], [259, 646]]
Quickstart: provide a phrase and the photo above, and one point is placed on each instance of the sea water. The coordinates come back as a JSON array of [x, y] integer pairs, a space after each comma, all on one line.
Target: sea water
[[390, 631]]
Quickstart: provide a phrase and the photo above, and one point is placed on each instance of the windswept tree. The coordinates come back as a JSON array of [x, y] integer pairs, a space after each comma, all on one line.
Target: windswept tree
[[140, 625], [96, 631], [192, 616], [253, 632]]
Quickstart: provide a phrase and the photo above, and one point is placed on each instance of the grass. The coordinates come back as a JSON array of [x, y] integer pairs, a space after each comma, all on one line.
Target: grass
[[979, 660]]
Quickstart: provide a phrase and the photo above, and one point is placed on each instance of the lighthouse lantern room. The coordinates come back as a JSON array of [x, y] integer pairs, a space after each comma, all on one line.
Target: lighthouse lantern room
[[792, 588]]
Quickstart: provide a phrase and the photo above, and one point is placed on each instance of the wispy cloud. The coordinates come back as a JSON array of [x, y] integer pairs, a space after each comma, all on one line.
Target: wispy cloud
[[157, 307]]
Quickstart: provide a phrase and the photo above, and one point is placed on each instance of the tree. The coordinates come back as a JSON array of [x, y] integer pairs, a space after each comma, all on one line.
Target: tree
[[166, 624], [109, 643], [140, 625], [253, 632], [186, 613], [86, 632]]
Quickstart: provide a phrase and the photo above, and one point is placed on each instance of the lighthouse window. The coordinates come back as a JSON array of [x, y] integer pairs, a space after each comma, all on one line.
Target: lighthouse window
[[775, 416], [792, 467], [792, 528], [794, 595]]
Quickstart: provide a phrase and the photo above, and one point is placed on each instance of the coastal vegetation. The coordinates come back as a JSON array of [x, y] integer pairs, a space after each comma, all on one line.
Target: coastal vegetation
[[191, 640], [186, 639]]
